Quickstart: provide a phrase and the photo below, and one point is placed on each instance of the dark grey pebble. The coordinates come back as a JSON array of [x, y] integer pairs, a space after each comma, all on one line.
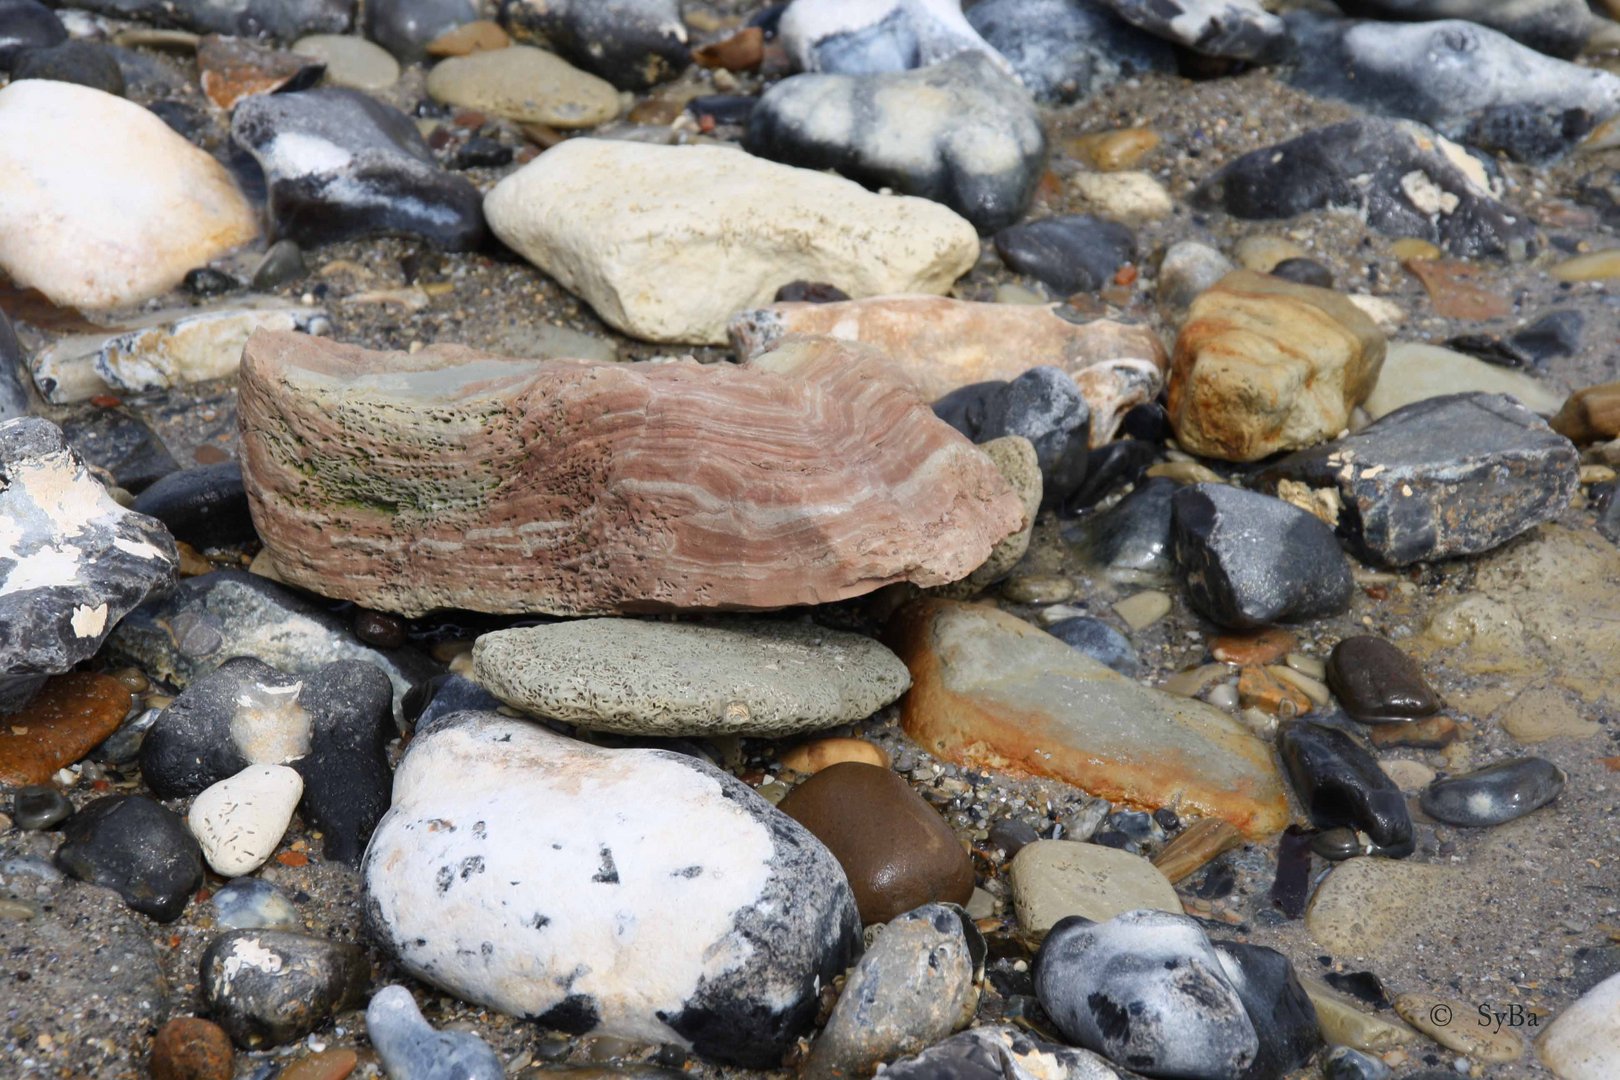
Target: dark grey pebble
[[1339, 783], [39, 806], [1377, 683], [206, 281], [24, 25], [1099, 641], [1131, 539], [282, 262], [284, 20], [1305, 272], [1067, 50], [405, 27], [1110, 467], [1232, 29], [1149, 421], [206, 506], [810, 292], [14, 399], [1555, 27], [136, 847], [83, 62], [1072, 253], [1284, 1018], [1336, 845], [1495, 794], [119, 440], [1012, 835], [633, 44], [1557, 333], [1346, 1063], [1046, 407], [269, 987]]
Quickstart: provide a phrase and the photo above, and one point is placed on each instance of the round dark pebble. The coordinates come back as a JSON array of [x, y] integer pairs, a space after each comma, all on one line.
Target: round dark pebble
[[39, 806], [1167, 819], [82, 62], [810, 292], [480, 152], [1336, 845], [1010, 836], [379, 628], [206, 281], [1305, 272], [1377, 683], [1148, 421], [25, 25], [139, 848], [283, 262]]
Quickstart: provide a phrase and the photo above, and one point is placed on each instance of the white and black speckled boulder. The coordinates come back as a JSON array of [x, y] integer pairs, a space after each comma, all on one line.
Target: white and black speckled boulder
[[72, 561], [1237, 29], [632, 893], [860, 37]]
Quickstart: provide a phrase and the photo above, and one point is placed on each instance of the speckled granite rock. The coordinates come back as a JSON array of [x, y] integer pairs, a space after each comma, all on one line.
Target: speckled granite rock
[[672, 478], [767, 918]]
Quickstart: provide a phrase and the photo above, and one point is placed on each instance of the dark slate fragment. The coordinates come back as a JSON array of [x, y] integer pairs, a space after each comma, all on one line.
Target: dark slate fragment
[[1339, 783], [206, 506], [1291, 887], [812, 292], [27, 24], [1066, 50], [119, 440], [1284, 1018], [1045, 406], [1304, 272], [14, 399], [1249, 560], [1132, 538], [1099, 641], [1555, 334], [986, 149], [1010, 836], [269, 987], [347, 781], [1109, 468], [83, 62], [405, 27], [633, 44], [1453, 475], [1069, 254], [1493, 795], [137, 847], [389, 182], [734, 109], [1377, 683], [1360, 165]]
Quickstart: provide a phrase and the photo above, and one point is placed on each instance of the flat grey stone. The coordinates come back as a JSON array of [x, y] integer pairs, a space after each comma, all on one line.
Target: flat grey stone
[[1053, 879]]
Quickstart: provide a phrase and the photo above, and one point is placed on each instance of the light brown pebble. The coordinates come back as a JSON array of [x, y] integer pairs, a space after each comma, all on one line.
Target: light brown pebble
[[1201, 842], [1263, 253], [1456, 1027], [1593, 266], [1112, 150], [1410, 247], [192, 562], [1262, 647], [1591, 414], [742, 51], [1321, 697], [1192, 682], [133, 679], [483, 35], [1038, 589], [69, 716], [328, 1065], [1143, 609], [811, 757], [189, 1048], [1259, 689]]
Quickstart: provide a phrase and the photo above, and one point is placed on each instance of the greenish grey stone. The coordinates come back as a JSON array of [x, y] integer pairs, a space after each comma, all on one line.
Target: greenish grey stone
[[1053, 879]]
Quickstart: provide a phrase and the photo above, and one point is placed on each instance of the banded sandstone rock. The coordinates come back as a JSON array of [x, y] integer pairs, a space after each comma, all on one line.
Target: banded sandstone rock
[[452, 479]]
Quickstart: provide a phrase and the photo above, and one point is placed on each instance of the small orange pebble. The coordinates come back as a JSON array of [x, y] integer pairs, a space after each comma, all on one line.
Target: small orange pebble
[[1610, 763], [106, 401], [1252, 650], [1259, 689], [292, 858], [328, 1065], [811, 757], [1125, 275]]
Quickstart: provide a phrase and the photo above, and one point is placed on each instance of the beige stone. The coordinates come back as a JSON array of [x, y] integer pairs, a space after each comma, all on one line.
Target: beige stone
[[1456, 1026], [667, 243], [1261, 252], [1345, 1023], [1015, 459], [525, 84], [1264, 365], [1413, 372], [1583, 1043], [1542, 713], [1053, 879], [102, 205], [1141, 610], [1131, 197], [1369, 906]]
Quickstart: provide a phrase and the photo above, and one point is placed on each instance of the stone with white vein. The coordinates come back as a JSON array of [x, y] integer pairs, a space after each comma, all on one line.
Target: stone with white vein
[[631, 893], [240, 820], [862, 37]]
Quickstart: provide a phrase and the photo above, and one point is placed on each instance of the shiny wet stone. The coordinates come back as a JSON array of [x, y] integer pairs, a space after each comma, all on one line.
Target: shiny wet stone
[[39, 806], [1341, 784], [1377, 683], [1496, 794]]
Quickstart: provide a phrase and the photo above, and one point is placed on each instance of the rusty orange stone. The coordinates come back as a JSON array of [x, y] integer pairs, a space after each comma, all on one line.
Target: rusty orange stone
[[327, 1065], [67, 719], [1110, 151], [1430, 733], [1253, 650], [233, 68], [468, 38], [1454, 292], [188, 1048], [742, 51], [1260, 689]]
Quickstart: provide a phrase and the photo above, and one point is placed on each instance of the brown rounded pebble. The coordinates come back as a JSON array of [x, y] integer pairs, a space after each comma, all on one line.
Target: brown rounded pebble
[[327, 1065], [1377, 683], [811, 757], [1431, 733], [133, 679], [1199, 843], [1111, 151], [379, 628], [468, 38], [67, 719], [1259, 648], [896, 850], [189, 1048]]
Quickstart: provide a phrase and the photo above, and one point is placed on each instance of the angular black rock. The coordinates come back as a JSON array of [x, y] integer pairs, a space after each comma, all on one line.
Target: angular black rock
[[405, 27], [1284, 1018], [1066, 50], [1046, 407], [1147, 990], [346, 775], [1377, 683], [1011, 835], [39, 806], [1464, 80], [1555, 27], [1453, 475], [1305, 272], [1099, 641], [269, 987], [341, 165], [1291, 887], [633, 44], [83, 62], [1249, 560], [206, 281], [1235, 29], [1339, 783], [1132, 538], [14, 400], [118, 440], [1109, 468], [282, 19], [1345, 1063], [1495, 794], [1068, 254], [1149, 421], [138, 848], [206, 506], [1557, 333], [73, 561], [997, 1053], [27, 24], [1363, 166], [985, 146]]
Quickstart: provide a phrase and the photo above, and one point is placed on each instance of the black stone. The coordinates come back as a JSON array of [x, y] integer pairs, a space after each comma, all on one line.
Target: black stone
[[1345, 1063], [389, 184], [1132, 538], [1109, 468], [120, 441], [1229, 31], [379, 628], [1555, 334], [1283, 1016], [206, 506], [206, 281], [1453, 475], [82, 62], [1377, 683], [269, 987], [1362, 985], [814, 292], [1011, 835], [1339, 783], [985, 151], [1495, 794], [731, 109], [446, 694], [39, 806], [633, 44], [1046, 407], [1249, 560], [1336, 845], [482, 152], [1069, 254], [138, 848], [1099, 641], [1291, 886], [24, 25], [1067, 50], [1359, 165], [14, 399], [406, 27], [1305, 272], [1149, 422], [964, 407]]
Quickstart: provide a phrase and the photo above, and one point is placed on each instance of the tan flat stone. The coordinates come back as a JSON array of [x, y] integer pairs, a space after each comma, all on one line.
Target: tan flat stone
[[1455, 1026], [1369, 905], [1053, 879], [1346, 1024]]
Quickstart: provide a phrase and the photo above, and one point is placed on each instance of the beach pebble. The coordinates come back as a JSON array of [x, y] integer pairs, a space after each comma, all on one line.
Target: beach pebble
[[1054, 879], [411, 1049], [1339, 783], [350, 61], [254, 904], [1583, 1042], [1238, 29], [189, 1048], [1377, 683], [137, 847], [524, 84], [877, 36], [269, 987], [1068, 254], [404, 27], [1099, 641], [633, 44], [240, 820], [1495, 794], [1066, 50]]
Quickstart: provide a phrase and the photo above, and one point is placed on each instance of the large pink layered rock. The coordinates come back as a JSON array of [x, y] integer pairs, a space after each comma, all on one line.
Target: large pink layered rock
[[452, 479]]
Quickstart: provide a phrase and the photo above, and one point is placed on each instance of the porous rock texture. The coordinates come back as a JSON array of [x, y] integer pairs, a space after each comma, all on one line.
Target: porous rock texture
[[452, 479]]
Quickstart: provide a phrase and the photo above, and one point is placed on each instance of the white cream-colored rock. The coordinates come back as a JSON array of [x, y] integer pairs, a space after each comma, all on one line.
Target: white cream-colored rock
[[102, 205], [1413, 372], [1132, 197], [1584, 1042], [668, 242], [240, 820]]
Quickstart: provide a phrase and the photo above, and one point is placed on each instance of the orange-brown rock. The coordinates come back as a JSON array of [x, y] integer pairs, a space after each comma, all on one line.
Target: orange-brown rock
[[993, 692], [1590, 415], [234, 68], [1264, 365], [327, 1065], [1430, 733], [1201, 842], [1260, 689], [811, 757], [448, 478], [482, 35], [189, 1048], [942, 344], [742, 51], [1265, 646], [68, 718], [1453, 291]]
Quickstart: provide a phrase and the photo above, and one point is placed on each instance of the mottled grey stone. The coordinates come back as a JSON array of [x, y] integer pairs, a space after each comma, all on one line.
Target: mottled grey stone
[[1495, 794], [1065, 50], [877, 35], [1557, 27], [633, 44], [1236, 29], [411, 1050], [405, 27], [269, 987], [283, 19]]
